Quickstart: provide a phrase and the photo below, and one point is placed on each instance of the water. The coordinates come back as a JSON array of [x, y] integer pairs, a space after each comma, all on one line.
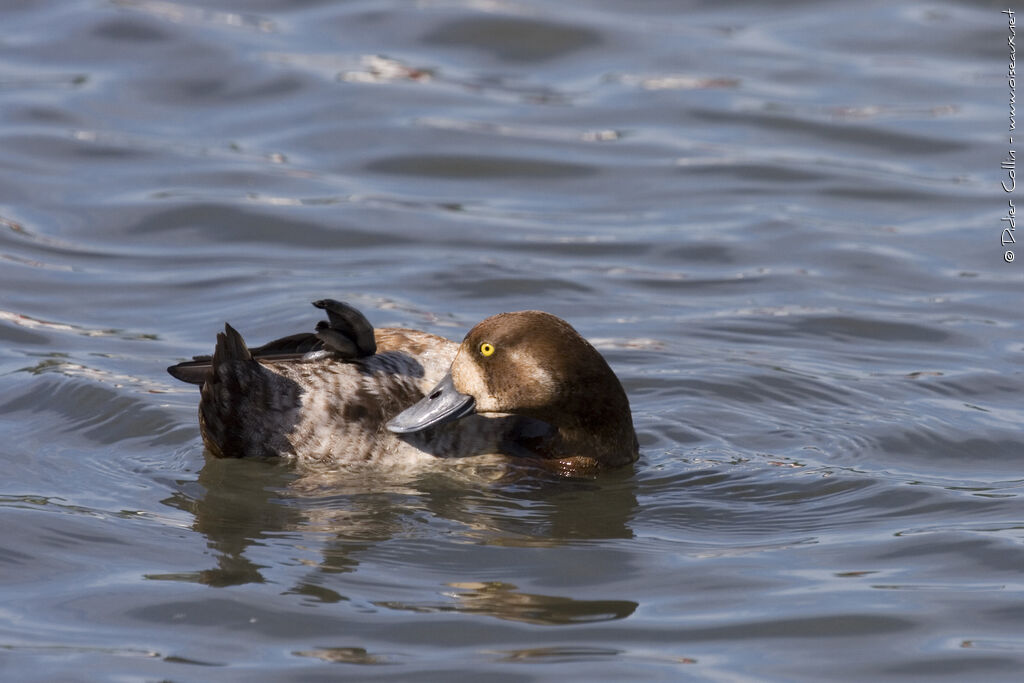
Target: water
[[780, 224]]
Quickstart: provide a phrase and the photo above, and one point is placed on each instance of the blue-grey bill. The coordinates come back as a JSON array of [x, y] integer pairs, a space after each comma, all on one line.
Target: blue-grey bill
[[442, 404]]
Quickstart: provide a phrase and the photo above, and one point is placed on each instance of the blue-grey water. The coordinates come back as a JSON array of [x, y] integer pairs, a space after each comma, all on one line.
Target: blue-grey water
[[780, 222]]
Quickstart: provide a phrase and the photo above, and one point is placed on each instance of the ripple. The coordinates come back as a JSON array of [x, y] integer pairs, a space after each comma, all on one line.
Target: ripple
[[185, 14], [134, 31], [840, 328], [29, 322], [21, 80], [848, 133], [453, 167], [221, 223], [514, 39]]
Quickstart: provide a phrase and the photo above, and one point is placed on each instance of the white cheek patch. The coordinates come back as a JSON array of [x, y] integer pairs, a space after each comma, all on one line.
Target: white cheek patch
[[534, 383], [468, 379]]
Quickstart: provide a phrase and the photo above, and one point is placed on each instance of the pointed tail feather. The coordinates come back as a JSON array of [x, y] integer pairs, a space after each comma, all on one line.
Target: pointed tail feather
[[230, 346]]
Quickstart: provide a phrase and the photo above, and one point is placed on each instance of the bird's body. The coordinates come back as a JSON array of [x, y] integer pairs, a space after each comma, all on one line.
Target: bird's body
[[345, 393]]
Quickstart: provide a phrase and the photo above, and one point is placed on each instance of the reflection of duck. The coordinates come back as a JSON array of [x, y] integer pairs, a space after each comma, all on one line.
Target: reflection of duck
[[505, 601], [521, 384]]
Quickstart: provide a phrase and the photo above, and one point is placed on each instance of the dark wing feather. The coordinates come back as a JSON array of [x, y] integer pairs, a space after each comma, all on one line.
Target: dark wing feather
[[347, 334]]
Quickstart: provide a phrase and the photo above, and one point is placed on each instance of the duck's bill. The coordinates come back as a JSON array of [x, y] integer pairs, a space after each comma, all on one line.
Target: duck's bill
[[442, 404]]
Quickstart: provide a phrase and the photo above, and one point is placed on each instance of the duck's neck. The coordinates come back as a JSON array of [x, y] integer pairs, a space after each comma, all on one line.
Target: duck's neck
[[607, 447], [603, 433]]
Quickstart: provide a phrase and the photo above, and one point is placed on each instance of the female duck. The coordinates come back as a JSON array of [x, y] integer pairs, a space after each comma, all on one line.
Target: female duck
[[523, 385]]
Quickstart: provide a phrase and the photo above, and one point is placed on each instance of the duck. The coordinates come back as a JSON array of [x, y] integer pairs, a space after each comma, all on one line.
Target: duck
[[522, 386]]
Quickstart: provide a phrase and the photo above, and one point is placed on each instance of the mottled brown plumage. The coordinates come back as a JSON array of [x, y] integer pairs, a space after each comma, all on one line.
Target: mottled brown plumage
[[544, 394]]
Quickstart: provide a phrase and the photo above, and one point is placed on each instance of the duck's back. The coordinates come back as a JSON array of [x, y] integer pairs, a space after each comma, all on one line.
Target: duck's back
[[321, 408]]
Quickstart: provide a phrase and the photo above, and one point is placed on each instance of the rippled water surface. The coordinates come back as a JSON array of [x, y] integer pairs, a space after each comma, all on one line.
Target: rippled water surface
[[779, 222]]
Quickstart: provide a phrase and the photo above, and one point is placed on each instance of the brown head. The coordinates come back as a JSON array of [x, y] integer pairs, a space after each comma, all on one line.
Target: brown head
[[534, 364]]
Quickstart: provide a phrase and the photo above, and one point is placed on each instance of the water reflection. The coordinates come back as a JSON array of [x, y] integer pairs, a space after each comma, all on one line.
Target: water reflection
[[344, 655], [505, 601], [235, 507], [345, 516]]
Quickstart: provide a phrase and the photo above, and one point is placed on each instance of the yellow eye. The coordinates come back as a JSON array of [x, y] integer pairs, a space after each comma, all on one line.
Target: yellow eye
[[486, 349]]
